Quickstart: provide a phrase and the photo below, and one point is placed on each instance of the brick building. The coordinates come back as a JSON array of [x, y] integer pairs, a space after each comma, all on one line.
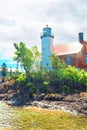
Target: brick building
[[74, 54]]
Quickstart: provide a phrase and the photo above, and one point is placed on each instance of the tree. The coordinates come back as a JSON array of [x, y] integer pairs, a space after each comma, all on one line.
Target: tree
[[57, 64], [36, 57], [4, 71], [26, 57]]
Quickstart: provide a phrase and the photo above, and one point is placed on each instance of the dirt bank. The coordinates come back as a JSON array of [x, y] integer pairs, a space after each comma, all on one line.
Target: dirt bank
[[14, 95]]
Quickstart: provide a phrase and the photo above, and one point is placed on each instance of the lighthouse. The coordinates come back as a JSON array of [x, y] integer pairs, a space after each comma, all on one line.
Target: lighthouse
[[46, 46]]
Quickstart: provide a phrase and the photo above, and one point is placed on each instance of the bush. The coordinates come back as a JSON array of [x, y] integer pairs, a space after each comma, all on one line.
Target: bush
[[67, 80], [22, 79], [75, 79]]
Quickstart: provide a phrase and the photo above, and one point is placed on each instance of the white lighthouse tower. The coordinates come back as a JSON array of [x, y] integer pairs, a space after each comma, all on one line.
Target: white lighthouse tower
[[46, 46]]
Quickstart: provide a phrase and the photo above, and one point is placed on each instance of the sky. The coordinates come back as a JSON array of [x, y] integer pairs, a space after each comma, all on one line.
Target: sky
[[23, 20]]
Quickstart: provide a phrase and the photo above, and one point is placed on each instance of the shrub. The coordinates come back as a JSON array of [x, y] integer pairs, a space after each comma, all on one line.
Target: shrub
[[21, 79], [75, 79]]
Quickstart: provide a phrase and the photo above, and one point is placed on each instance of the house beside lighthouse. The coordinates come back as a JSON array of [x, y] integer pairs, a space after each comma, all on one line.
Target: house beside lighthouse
[[74, 54]]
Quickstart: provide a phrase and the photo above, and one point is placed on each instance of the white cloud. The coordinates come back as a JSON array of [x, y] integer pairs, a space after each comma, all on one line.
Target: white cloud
[[23, 20]]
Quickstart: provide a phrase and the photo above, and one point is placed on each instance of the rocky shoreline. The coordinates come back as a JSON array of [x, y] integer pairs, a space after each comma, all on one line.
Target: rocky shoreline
[[15, 96], [75, 104]]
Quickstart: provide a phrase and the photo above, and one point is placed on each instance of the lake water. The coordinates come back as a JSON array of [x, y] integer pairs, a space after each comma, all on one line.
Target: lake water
[[10, 64], [6, 116]]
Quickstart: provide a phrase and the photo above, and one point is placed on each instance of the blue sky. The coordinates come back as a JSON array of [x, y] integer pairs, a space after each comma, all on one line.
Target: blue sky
[[23, 20]]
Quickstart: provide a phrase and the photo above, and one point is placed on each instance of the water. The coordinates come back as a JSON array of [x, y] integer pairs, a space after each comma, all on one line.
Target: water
[[11, 64], [6, 116], [12, 118]]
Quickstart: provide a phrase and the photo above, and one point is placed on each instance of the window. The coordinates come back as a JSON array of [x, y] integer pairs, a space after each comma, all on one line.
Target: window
[[43, 48], [80, 52], [68, 61], [86, 60], [47, 64], [86, 53]]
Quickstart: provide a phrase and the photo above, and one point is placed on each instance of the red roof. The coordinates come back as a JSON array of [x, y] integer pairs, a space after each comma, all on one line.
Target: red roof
[[71, 48]]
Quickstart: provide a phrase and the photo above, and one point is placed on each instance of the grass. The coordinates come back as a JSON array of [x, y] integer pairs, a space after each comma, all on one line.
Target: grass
[[41, 119]]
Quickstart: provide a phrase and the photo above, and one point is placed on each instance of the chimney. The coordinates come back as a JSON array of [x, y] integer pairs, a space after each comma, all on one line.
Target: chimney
[[81, 39]]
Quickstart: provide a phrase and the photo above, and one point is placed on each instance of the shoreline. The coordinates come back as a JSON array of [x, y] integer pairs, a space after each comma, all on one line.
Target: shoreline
[[40, 105], [49, 106], [66, 105], [16, 96]]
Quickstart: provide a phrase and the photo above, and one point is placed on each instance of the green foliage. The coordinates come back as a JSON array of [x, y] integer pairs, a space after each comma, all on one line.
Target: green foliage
[[22, 79], [28, 58], [23, 55], [75, 80], [46, 83], [66, 89], [57, 64], [29, 84], [74, 75], [36, 55], [40, 80], [31, 88], [67, 81], [61, 79], [39, 75]]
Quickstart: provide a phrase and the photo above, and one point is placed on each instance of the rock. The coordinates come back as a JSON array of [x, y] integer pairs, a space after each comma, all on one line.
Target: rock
[[2, 96], [40, 96], [10, 91], [53, 97]]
